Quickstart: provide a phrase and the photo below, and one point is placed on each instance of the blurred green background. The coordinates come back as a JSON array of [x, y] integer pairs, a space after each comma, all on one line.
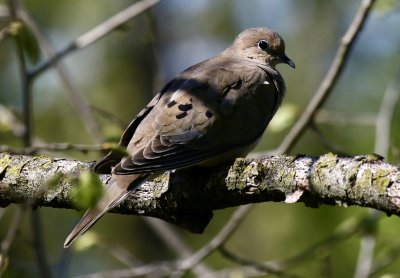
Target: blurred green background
[[121, 72]]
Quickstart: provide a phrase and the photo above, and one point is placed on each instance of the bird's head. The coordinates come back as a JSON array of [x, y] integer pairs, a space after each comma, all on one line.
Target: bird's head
[[262, 45]]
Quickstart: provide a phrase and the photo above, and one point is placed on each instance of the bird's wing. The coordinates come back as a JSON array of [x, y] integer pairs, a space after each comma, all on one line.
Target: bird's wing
[[184, 126], [104, 165]]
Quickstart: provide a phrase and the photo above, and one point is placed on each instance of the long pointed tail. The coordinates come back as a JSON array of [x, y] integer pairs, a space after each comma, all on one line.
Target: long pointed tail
[[117, 190]]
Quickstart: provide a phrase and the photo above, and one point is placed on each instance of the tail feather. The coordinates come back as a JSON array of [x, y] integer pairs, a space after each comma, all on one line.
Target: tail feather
[[117, 190]]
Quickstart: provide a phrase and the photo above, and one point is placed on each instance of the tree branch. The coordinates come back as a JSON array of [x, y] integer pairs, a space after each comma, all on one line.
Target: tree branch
[[188, 197], [330, 79], [97, 33]]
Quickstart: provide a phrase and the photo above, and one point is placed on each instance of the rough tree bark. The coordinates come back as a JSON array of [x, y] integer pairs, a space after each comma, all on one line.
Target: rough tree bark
[[188, 197]]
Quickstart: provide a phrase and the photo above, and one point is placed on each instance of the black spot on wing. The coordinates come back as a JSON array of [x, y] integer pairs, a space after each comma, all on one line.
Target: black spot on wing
[[185, 107], [181, 115], [171, 103]]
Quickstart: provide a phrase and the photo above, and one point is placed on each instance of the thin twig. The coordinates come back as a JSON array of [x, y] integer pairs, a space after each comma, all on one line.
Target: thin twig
[[78, 102], [109, 116], [39, 245], [219, 239], [98, 32], [56, 147], [382, 131], [266, 268], [365, 256], [330, 80], [387, 258], [367, 245], [10, 236], [331, 146], [11, 121], [174, 242], [344, 232], [159, 269], [382, 141], [26, 78], [117, 251], [337, 118]]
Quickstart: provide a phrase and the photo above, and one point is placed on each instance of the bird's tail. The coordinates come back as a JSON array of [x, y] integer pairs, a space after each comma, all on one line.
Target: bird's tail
[[117, 190]]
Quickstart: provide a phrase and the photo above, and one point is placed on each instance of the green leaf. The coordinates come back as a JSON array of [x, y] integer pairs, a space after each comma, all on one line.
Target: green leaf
[[285, 116], [385, 6], [87, 241], [26, 40], [88, 192]]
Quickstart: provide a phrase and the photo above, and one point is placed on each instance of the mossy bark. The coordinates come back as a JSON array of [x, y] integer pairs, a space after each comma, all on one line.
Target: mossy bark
[[188, 197]]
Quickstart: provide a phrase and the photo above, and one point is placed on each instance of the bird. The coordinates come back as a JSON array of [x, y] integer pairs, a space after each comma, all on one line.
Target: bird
[[212, 112]]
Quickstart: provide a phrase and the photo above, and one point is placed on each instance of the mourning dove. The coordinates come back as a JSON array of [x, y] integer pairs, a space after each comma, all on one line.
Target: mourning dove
[[212, 112]]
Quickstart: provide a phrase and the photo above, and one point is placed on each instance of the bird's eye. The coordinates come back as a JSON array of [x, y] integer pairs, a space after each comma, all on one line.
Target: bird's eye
[[263, 44]]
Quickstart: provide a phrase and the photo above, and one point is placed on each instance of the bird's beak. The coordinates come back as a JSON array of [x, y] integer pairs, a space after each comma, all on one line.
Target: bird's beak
[[288, 61]]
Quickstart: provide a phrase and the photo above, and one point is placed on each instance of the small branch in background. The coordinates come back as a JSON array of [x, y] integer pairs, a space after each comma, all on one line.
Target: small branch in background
[[10, 237], [386, 259], [365, 256], [386, 112], [98, 32], [344, 232], [174, 242], [159, 269], [75, 97], [11, 122], [365, 259], [109, 116], [330, 80], [337, 118], [382, 142], [159, 79], [224, 234], [39, 244], [331, 146], [26, 79], [264, 268], [57, 147]]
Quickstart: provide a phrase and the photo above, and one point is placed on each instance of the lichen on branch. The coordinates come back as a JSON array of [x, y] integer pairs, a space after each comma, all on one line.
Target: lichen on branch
[[188, 197]]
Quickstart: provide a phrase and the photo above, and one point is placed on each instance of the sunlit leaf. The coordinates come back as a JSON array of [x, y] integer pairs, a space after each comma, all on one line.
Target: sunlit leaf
[[385, 6], [88, 192], [284, 118], [89, 239], [4, 262]]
